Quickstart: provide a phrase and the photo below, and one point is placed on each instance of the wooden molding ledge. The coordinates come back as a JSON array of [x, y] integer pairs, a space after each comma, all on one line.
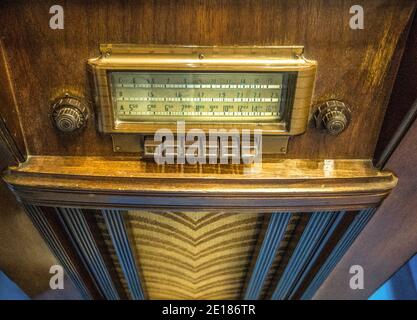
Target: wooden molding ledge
[[297, 185]]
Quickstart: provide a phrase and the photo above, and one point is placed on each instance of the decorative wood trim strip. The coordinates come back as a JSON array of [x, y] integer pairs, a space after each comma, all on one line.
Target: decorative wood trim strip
[[10, 144], [273, 236], [118, 233], [339, 250], [406, 123], [287, 185], [80, 234], [52, 240], [11, 133], [318, 230]]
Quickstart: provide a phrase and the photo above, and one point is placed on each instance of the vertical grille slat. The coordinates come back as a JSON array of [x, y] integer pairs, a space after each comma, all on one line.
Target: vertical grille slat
[[340, 249], [79, 232], [273, 237], [84, 248], [322, 243], [315, 235], [117, 230]]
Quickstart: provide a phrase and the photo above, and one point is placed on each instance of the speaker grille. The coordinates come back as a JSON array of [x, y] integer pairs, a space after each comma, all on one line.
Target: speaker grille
[[205, 255], [193, 255]]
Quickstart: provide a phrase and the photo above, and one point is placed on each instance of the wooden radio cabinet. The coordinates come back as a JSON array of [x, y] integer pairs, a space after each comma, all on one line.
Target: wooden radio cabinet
[[81, 108]]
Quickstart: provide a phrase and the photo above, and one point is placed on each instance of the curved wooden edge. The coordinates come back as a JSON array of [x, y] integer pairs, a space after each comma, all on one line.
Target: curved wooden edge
[[125, 182]]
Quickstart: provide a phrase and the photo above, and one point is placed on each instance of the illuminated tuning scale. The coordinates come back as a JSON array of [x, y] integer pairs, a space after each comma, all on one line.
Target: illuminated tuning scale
[[173, 96]]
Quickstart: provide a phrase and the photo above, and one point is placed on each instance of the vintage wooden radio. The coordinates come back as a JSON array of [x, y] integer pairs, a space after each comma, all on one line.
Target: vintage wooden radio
[[266, 118]]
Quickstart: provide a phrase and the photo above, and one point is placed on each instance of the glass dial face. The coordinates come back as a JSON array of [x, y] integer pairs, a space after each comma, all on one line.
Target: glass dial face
[[139, 96]]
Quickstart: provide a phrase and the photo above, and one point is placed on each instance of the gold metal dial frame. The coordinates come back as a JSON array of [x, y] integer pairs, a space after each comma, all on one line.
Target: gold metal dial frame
[[121, 57]]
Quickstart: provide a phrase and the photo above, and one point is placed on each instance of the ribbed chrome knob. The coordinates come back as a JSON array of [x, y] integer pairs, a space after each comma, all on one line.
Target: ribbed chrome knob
[[333, 115], [69, 114]]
